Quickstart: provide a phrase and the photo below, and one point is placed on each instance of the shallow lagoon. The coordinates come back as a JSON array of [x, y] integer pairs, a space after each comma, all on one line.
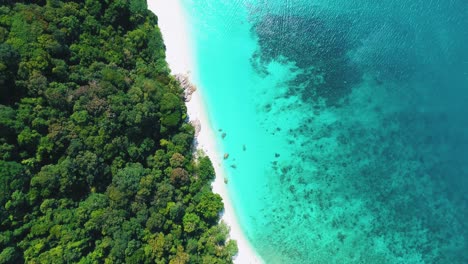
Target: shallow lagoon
[[345, 125]]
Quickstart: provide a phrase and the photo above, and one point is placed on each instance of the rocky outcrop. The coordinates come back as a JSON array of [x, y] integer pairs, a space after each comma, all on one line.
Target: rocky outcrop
[[197, 126], [188, 87]]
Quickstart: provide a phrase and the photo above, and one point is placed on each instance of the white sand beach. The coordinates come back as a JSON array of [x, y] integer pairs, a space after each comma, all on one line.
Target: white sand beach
[[173, 25]]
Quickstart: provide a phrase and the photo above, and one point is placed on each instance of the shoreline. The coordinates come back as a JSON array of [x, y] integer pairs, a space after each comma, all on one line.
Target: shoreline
[[173, 26]]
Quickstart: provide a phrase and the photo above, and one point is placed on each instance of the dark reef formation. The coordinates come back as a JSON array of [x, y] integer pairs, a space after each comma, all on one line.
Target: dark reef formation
[[317, 47], [375, 165]]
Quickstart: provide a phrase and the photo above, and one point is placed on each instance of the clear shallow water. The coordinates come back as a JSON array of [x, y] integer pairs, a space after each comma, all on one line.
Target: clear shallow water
[[345, 124]]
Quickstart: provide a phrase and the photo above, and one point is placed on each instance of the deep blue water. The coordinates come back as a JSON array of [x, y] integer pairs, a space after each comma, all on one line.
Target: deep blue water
[[346, 124]]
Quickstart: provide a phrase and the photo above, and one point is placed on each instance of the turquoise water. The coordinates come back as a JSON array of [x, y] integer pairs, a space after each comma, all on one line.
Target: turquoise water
[[345, 124]]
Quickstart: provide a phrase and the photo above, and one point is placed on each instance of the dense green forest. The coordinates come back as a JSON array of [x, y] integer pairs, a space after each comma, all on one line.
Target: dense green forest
[[96, 158]]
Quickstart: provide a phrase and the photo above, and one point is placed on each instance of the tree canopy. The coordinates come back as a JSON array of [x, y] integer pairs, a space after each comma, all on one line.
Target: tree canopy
[[96, 161]]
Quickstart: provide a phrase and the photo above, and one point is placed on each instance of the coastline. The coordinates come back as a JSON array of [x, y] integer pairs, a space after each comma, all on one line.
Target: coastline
[[173, 26]]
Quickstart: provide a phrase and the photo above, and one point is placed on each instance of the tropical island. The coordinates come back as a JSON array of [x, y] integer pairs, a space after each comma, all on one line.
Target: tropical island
[[96, 154]]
